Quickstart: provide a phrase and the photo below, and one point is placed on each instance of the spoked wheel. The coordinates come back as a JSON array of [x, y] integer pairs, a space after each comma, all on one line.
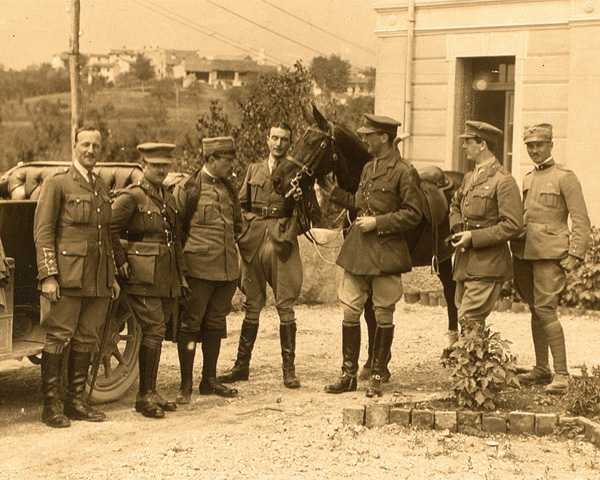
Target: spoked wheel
[[118, 369]]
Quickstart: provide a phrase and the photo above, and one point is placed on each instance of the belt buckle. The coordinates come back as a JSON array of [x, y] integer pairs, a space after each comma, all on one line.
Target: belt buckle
[[264, 212], [169, 237]]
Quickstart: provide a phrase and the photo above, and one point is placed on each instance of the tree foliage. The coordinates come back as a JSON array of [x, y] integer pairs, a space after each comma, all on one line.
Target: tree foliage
[[143, 69], [331, 74], [33, 81]]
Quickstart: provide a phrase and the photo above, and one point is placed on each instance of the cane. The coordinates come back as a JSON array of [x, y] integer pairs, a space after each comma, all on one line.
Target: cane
[[112, 310]]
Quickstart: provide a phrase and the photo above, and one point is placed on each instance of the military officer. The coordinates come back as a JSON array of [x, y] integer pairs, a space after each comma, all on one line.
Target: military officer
[[270, 255], [212, 222], [485, 213], [375, 253], [77, 277], [551, 196], [147, 244]]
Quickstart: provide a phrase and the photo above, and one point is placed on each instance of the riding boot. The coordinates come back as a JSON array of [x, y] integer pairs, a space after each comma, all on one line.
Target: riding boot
[[371, 323], [381, 353], [350, 353], [241, 368], [186, 349], [166, 405], [450, 338], [209, 385], [287, 337], [145, 402], [52, 414], [77, 373]]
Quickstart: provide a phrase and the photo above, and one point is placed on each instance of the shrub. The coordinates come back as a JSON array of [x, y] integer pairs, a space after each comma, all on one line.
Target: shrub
[[583, 395], [482, 365]]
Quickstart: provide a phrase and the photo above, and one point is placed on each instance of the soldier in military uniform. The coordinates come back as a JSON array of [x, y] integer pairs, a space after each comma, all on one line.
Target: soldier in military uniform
[[551, 195], [76, 272], [270, 254], [485, 213], [150, 260], [375, 253], [212, 222]]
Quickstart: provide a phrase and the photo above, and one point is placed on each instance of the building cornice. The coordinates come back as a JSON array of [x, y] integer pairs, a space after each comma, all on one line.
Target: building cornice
[[397, 8], [401, 32]]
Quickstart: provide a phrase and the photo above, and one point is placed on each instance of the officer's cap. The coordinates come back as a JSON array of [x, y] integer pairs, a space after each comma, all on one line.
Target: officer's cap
[[157, 153], [483, 130], [218, 145], [542, 132], [378, 124]]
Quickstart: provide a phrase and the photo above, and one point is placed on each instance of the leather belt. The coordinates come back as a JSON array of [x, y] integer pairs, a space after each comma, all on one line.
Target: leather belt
[[161, 237], [273, 212]]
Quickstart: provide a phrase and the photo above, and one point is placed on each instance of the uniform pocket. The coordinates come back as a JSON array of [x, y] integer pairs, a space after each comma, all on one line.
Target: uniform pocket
[[142, 262], [550, 196], [480, 201], [78, 207], [70, 257]]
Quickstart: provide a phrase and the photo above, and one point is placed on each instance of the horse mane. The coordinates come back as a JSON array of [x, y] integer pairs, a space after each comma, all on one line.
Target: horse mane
[[352, 157]]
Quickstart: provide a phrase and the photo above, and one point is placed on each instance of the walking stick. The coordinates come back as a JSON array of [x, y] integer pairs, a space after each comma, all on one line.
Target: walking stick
[[112, 310]]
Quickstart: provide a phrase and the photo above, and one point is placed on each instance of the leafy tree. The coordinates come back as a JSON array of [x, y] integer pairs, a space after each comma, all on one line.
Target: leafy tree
[[331, 74], [143, 69]]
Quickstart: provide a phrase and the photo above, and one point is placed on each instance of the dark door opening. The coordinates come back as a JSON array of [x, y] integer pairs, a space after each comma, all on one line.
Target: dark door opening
[[486, 93]]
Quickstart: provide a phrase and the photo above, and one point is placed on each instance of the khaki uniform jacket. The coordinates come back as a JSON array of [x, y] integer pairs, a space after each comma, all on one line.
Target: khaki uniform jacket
[[71, 231], [210, 249], [490, 206], [550, 195], [146, 234], [391, 194], [258, 193]]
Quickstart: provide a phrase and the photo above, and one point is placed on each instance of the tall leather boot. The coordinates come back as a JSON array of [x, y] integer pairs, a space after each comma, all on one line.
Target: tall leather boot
[[146, 402], [383, 345], [350, 353], [186, 349], [166, 405], [287, 338], [52, 414], [77, 373], [209, 385], [540, 374], [241, 368]]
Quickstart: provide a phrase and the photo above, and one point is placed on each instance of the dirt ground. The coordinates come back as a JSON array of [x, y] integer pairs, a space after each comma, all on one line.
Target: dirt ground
[[269, 432]]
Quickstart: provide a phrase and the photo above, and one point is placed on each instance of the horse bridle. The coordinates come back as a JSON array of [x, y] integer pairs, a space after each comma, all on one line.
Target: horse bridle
[[308, 168]]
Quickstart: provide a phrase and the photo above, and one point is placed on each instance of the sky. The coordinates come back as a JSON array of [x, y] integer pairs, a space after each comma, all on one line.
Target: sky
[[32, 31]]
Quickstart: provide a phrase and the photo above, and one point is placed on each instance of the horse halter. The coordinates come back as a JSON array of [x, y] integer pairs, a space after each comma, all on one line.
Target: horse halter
[[312, 163]]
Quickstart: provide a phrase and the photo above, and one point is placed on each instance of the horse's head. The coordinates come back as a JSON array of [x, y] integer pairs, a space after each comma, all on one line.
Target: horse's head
[[325, 147]]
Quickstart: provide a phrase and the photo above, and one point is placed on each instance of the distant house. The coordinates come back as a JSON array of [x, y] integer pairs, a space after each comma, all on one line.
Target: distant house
[[164, 60], [360, 83], [110, 66], [60, 60]]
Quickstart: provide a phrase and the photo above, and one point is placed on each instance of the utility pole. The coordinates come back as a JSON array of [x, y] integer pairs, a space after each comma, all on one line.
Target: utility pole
[[76, 111]]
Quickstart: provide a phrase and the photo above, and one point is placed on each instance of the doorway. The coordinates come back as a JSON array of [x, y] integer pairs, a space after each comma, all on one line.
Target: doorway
[[486, 92]]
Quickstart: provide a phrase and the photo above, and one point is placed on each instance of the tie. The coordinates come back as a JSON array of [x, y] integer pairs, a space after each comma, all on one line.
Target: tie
[[91, 180]]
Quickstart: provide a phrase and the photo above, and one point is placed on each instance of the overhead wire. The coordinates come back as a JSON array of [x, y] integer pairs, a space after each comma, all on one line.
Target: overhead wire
[[211, 33], [316, 27], [266, 28]]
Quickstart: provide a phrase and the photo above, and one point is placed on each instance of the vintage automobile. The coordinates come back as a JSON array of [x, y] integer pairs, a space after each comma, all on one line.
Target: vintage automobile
[[20, 333]]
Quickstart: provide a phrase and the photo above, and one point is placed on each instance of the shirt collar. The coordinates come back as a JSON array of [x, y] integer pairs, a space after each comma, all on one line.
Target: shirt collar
[[541, 166], [271, 162], [204, 170], [84, 173]]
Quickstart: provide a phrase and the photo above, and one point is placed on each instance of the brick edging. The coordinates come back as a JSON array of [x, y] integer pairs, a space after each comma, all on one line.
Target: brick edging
[[466, 421]]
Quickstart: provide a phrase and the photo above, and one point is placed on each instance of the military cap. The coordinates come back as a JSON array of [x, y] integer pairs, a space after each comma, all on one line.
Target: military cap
[[157, 153], [483, 130], [217, 145], [541, 132], [378, 123]]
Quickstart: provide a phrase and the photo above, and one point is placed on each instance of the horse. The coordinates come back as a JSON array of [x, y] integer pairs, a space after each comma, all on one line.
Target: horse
[[327, 147]]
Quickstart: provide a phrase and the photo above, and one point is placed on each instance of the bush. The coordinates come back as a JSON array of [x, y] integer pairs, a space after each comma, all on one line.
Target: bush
[[482, 365], [583, 395]]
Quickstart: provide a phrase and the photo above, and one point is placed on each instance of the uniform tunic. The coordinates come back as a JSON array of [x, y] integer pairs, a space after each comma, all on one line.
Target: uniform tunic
[[374, 261], [146, 234], [211, 255], [489, 205], [268, 246], [72, 238]]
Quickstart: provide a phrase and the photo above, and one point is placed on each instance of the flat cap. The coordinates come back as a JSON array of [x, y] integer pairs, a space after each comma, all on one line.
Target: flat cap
[[378, 123], [541, 132], [212, 145], [483, 130], [157, 153]]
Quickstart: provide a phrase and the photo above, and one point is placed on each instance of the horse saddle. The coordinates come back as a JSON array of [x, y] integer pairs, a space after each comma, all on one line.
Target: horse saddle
[[433, 200]]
